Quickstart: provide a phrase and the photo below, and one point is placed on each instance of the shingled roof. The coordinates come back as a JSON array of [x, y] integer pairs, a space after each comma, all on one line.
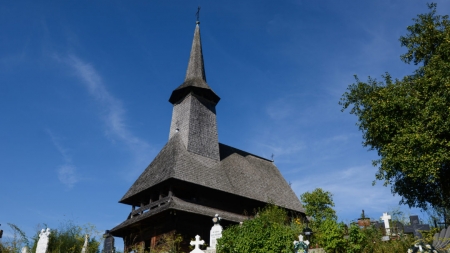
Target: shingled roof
[[178, 204], [194, 155], [237, 172]]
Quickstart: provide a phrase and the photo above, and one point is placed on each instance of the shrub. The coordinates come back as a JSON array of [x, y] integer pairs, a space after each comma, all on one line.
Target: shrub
[[270, 231]]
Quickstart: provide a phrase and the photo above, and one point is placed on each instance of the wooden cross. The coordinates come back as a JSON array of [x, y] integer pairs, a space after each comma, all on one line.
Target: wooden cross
[[197, 244], [415, 226], [386, 219]]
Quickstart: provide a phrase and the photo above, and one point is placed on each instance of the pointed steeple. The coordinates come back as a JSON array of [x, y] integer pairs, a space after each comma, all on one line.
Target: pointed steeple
[[195, 80], [196, 67]]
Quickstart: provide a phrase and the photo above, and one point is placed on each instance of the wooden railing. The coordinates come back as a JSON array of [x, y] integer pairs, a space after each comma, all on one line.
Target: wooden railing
[[150, 206]]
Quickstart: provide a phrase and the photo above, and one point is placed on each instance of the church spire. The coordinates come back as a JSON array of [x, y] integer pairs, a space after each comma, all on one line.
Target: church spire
[[196, 67], [195, 80]]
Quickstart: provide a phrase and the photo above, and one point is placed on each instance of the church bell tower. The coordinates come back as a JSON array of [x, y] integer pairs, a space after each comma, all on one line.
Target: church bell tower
[[194, 107]]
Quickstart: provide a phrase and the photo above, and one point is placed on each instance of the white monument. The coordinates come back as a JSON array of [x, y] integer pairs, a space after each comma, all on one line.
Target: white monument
[[85, 245], [215, 233], [25, 250], [197, 244], [43, 241], [386, 219], [301, 246]]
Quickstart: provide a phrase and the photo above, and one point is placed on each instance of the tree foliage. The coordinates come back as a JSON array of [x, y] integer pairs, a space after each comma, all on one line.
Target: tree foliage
[[318, 206], [270, 231], [69, 238], [328, 233], [407, 120]]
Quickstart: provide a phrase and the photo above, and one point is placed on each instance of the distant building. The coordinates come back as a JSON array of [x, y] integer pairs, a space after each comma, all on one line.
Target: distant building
[[194, 176]]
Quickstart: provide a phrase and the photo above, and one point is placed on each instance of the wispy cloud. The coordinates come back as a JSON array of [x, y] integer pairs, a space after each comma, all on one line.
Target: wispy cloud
[[114, 115], [57, 143], [67, 173]]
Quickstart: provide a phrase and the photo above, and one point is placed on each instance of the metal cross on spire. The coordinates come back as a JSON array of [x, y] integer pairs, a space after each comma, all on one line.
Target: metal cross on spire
[[198, 15]]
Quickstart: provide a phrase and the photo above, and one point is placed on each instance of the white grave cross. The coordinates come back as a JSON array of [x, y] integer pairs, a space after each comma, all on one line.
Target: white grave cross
[[43, 241], [197, 244], [386, 219], [300, 238], [85, 245], [301, 248]]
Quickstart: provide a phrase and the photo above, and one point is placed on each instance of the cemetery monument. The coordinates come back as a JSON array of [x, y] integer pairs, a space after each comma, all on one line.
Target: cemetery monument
[[85, 245], [197, 244], [386, 219], [43, 241], [216, 232], [108, 243], [415, 227], [301, 246]]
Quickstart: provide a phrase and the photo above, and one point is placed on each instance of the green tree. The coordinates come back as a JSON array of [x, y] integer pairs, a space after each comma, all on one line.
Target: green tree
[[331, 235], [270, 231], [356, 239], [318, 206], [328, 233], [407, 120]]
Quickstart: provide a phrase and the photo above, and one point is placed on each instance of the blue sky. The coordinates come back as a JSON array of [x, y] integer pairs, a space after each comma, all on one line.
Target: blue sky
[[84, 89]]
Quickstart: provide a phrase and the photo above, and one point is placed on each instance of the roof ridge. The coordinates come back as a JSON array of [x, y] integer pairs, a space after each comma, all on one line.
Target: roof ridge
[[242, 151]]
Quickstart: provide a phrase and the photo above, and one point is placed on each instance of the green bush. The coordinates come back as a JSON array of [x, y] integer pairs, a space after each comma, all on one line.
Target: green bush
[[368, 239], [331, 235], [270, 231]]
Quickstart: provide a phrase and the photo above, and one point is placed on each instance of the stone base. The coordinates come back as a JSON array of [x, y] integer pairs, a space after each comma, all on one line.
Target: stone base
[[319, 250], [210, 250]]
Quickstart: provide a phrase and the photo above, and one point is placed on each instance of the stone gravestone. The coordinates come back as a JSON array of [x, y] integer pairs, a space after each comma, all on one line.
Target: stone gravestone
[[415, 227], [197, 244], [215, 233], [43, 241], [108, 244], [25, 250], [442, 240], [85, 245]]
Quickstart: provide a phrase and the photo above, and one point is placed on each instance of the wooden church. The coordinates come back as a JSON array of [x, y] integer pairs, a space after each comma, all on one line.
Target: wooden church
[[195, 177]]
